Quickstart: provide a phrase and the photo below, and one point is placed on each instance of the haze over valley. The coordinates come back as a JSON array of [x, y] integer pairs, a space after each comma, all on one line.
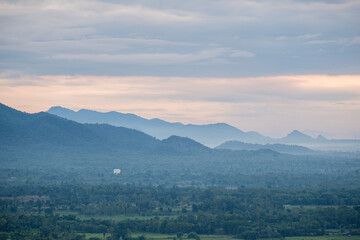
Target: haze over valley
[[43, 141]]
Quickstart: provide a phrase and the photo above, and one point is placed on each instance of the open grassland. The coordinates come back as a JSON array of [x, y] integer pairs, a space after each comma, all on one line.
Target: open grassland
[[311, 206], [155, 236], [96, 235]]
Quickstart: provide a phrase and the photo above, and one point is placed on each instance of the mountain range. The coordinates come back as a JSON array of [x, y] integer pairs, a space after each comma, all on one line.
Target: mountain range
[[56, 147], [210, 135], [45, 129]]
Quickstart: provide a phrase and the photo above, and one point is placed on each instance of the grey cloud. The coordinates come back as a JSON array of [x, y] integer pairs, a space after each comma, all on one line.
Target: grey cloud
[[260, 37], [94, 44], [340, 41], [241, 53], [151, 58], [300, 37]]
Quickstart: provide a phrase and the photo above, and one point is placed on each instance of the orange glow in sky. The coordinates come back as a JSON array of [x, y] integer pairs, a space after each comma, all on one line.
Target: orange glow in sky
[[270, 105]]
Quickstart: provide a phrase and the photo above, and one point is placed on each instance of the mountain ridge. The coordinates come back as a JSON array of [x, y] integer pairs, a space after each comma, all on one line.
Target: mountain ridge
[[210, 135], [281, 148], [45, 128], [161, 129], [297, 136]]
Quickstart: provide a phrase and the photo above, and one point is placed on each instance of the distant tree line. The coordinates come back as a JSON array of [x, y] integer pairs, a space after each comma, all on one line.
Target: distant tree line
[[248, 213]]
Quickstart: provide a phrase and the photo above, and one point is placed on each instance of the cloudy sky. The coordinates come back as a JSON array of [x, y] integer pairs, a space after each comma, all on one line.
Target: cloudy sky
[[269, 66]]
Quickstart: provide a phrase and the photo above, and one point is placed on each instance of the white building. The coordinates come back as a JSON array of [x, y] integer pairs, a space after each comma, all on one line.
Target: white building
[[117, 171]]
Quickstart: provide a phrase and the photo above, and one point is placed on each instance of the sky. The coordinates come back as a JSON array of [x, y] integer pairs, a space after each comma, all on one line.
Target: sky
[[267, 66]]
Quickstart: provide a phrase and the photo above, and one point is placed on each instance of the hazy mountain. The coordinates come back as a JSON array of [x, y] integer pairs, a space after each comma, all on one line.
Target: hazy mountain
[[182, 144], [210, 134], [320, 142], [297, 137], [22, 129], [321, 138], [42, 128], [47, 143], [281, 148], [314, 133]]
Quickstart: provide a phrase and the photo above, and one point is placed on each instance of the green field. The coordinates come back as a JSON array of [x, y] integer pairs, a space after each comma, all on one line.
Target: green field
[[96, 235], [154, 235], [311, 206]]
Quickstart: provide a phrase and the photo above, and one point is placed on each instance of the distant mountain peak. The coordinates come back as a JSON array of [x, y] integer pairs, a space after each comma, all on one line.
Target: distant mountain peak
[[59, 108], [85, 110], [296, 133], [183, 144], [321, 138], [297, 136], [62, 112]]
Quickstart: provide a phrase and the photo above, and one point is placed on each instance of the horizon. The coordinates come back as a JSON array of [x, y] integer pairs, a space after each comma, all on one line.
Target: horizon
[[311, 133]]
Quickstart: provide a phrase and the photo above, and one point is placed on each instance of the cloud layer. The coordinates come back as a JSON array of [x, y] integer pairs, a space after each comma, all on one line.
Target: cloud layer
[[180, 38]]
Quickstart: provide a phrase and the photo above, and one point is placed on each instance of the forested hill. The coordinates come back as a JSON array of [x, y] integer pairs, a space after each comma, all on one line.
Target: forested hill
[[20, 129], [282, 148]]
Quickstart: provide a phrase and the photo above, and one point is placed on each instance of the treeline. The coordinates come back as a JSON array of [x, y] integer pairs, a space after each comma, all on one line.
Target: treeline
[[23, 226], [298, 222], [148, 198], [247, 213], [115, 199], [183, 178], [41, 227]]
